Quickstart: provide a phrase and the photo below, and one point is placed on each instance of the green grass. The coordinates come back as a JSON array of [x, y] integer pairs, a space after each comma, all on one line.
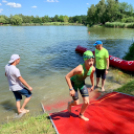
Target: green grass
[[28, 125], [127, 88], [119, 25], [50, 23]]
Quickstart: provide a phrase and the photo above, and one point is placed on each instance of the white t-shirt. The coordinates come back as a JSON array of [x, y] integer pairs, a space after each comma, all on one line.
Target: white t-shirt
[[12, 73]]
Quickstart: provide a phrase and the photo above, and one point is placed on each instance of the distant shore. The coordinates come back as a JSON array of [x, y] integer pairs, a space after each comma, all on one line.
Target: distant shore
[[45, 24]]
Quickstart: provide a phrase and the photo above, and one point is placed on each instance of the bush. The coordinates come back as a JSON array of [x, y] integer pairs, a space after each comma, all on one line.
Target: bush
[[128, 20], [130, 54]]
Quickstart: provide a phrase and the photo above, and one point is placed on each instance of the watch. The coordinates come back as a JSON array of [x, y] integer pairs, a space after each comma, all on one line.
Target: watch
[[107, 69], [70, 89]]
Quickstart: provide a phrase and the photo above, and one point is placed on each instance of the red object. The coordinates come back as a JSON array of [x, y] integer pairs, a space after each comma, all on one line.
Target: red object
[[114, 61], [112, 114]]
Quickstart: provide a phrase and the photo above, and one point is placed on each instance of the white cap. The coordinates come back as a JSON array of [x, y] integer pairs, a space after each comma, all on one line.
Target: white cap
[[13, 58]]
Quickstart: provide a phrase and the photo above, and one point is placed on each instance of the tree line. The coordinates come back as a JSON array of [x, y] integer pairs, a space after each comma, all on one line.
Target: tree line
[[110, 11], [19, 19]]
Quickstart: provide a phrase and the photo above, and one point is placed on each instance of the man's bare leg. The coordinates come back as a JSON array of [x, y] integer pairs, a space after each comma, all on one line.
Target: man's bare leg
[[103, 83], [18, 106], [72, 103], [25, 103], [97, 82], [83, 108]]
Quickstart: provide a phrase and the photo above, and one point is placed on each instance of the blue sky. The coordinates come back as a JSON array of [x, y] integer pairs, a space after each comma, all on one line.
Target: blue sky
[[48, 7]]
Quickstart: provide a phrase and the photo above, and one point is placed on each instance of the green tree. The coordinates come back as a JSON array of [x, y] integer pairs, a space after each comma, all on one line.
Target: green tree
[[91, 15], [56, 18], [111, 10], [65, 18], [16, 20], [45, 19], [61, 18], [100, 12], [2, 20]]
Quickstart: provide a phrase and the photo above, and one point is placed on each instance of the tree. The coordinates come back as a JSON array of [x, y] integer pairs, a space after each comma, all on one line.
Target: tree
[[65, 18], [16, 20], [56, 18], [91, 15], [2, 20], [45, 19]]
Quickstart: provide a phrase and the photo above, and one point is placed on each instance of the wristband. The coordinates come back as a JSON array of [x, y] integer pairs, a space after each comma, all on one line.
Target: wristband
[[70, 89], [107, 69]]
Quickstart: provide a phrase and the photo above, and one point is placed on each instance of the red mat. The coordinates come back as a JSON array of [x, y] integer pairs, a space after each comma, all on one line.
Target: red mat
[[112, 114]]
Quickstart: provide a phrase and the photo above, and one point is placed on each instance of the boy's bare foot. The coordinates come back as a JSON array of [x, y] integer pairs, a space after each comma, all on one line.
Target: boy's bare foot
[[69, 107], [83, 117]]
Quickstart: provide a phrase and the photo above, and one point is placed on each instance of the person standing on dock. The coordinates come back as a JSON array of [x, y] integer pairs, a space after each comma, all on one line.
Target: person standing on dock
[[76, 80], [101, 62], [16, 83]]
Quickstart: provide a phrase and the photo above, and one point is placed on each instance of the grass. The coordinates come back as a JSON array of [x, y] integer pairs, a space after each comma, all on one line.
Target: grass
[[119, 25], [28, 125], [50, 23], [127, 88]]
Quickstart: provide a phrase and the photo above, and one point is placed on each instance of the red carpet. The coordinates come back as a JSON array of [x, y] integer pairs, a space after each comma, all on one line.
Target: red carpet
[[112, 114]]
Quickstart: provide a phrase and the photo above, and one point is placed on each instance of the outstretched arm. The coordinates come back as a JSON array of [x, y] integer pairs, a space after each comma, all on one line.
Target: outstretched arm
[[25, 83]]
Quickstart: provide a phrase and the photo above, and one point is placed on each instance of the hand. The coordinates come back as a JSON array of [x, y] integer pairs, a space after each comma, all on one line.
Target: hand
[[72, 92], [91, 89], [106, 72], [30, 88]]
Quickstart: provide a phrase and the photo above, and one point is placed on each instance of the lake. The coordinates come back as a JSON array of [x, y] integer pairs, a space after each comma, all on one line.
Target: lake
[[47, 55]]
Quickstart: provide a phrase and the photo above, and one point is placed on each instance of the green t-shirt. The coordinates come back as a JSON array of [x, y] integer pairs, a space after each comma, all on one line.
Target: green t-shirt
[[100, 57]]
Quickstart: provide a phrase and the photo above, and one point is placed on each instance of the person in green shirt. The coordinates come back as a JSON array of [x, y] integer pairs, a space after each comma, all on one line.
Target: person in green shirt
[[76, 81], [102, 63]]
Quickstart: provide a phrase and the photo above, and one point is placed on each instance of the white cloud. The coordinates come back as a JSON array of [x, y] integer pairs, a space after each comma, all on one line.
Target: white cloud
[[0, 4], [52, 1], [87, 3], [4, 1], [34, 6], [1, 10], [15, 5]]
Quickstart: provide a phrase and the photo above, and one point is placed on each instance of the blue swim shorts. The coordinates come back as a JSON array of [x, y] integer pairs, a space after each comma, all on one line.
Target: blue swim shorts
[[18, 94]]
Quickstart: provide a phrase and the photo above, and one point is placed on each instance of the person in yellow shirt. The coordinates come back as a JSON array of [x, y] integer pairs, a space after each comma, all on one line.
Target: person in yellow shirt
[[102, 63]]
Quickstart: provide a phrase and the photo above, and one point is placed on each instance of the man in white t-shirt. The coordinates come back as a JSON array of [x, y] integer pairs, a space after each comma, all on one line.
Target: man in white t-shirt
[[17, 83]]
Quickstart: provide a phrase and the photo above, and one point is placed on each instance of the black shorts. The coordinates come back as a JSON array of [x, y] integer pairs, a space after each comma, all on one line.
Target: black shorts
[[83, 91], [101, 73]]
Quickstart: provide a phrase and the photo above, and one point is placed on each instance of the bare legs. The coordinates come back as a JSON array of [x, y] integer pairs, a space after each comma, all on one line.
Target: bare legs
[[103, 83], [83, 108], [23, 106]]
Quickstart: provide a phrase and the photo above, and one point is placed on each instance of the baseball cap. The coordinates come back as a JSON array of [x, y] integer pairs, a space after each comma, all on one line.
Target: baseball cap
[[98, 43], [88, 55], [13, 58]]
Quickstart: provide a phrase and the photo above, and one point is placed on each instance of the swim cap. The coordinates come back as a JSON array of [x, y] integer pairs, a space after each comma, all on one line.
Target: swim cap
[[88, 55]]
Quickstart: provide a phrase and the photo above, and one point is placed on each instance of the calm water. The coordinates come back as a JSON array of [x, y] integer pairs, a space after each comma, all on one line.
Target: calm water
[[47, 54]]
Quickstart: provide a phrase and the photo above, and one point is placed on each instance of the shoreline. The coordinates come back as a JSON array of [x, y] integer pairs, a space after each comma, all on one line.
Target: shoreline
[[46, 24], [115, 25]]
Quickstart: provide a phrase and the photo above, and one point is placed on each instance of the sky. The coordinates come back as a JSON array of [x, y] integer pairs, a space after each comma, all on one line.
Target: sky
[[48, 7]]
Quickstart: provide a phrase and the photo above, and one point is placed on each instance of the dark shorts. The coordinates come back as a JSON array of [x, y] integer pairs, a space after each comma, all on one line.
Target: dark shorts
[[101, 73], [18, 94], [83, 91]]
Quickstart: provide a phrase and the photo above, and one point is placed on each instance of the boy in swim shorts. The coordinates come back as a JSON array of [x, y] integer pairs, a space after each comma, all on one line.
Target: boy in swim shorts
[[76, 81]]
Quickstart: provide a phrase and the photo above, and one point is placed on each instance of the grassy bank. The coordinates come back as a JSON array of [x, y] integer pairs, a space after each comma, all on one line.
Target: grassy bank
[[119, 25], [28, 125], [46, 24], [127, 88]]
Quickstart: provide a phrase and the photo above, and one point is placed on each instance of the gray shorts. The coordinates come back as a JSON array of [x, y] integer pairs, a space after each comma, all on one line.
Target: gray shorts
[[83, 92]]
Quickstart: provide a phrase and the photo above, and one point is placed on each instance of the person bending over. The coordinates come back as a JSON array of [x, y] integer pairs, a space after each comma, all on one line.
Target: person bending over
[[76, 81]]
